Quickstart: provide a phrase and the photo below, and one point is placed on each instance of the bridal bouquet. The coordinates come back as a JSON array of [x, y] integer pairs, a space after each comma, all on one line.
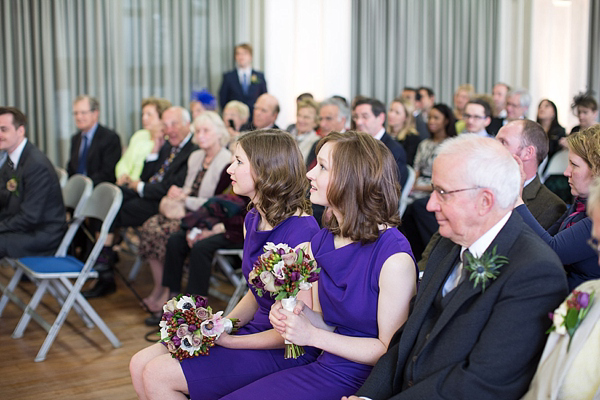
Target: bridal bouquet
[[188, 327], [283, 272]]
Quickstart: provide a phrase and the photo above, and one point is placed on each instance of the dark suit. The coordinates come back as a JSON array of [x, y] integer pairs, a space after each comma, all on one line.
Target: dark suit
[[102, 157], [474, 345], [32, 217], [135, 210], [399, 155], [231, 89], [421, 125], [495, 126]]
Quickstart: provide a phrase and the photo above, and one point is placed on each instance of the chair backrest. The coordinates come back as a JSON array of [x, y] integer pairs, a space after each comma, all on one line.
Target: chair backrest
[[557, 164], [76, 192], [103, 204], [410, 181], [63, 176]]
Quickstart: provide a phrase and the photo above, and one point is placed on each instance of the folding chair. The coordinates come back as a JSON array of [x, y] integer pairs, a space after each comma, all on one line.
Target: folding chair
[[235, 276], [63, 176], [75, 193], [556, 165], [410, 181], [104, 205]]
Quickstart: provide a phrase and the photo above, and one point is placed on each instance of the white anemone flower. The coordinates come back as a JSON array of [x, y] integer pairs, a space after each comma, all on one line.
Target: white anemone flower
[[186, 303], [187, 344]]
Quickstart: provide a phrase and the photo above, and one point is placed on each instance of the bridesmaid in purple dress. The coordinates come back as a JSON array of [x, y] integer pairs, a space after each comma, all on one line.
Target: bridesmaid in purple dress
[[368, 275], [268, 168]]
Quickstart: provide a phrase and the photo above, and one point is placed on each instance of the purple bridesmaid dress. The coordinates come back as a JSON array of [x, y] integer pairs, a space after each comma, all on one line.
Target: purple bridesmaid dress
[[225, 370], [348, 293]]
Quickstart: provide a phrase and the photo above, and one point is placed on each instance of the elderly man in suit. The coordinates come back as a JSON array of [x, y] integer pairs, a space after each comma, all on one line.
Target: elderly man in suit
[[141, 198], [244, 83], [472, 335], [266, 110], [32, 212], [95, 149], [369, 116], [526, 140]]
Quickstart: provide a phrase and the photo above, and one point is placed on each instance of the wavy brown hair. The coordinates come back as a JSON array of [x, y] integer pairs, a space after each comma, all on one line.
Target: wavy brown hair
[[586, 144], [279, 174], [363, 186]]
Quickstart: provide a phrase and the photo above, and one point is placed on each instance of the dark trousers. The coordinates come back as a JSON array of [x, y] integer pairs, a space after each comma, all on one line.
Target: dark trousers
[[418, 225], [135, 210], [201, 255]]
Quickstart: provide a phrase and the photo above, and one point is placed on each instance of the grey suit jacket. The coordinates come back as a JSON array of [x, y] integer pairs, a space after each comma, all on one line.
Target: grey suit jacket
[[483, 345], [32, 218]]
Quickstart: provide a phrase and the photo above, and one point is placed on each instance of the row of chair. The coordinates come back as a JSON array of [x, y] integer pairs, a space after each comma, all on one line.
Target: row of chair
[[53, 274]]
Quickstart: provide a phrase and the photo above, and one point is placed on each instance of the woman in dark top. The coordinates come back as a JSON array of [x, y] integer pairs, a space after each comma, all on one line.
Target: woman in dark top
[[401, 126], [569, 235], [547, 117], [585, 107]]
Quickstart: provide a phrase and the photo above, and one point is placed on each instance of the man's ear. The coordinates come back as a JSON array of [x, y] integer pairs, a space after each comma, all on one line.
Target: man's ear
[[485, 201]]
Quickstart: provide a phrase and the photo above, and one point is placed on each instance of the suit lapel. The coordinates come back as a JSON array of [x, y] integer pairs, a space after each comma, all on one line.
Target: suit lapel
[[465, 291]]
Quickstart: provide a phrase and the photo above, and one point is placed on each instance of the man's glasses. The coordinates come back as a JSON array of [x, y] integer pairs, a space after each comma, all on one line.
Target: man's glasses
[[444, 193]]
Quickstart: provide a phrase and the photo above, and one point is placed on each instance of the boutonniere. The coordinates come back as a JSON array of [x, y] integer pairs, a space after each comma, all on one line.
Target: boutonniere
[[569, 315], [12, 185], [254, 78], [485, 268]]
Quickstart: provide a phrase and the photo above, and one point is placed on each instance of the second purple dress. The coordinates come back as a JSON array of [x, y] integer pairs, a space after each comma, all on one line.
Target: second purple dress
[[348, 294]]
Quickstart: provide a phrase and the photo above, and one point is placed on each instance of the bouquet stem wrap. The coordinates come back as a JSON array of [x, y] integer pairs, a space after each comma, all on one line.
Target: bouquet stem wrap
[[291, 350]]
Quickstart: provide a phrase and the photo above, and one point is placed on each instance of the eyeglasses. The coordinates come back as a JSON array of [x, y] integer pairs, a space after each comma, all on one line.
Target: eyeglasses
[[595, 245], [469, 116], [76, 113], [443, 193]]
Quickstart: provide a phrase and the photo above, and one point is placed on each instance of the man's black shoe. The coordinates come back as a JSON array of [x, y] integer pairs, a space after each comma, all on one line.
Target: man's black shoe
[[101, 288], [154, 319]]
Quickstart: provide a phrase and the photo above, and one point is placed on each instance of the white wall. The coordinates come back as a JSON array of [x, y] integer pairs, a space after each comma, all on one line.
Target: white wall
[[307, 49], [543, 48]]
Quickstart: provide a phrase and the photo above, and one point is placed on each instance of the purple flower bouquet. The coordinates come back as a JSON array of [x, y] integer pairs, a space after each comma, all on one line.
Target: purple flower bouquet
[[188, 327], [283, 272]]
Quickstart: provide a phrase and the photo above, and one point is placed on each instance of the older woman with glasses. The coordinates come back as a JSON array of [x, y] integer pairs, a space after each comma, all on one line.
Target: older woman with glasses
[[569, 235]]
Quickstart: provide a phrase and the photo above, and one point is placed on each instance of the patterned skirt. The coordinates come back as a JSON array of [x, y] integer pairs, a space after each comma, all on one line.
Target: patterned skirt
[[154, 235]]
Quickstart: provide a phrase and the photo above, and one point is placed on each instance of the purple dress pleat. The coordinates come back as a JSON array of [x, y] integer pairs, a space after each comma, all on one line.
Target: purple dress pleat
[[225, 370], [348, 294]]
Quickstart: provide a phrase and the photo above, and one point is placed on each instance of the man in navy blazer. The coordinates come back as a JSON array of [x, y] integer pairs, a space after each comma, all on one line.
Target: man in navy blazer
[[243, 83], [32, 213], [461, 340], [95, 149], [369, 116]]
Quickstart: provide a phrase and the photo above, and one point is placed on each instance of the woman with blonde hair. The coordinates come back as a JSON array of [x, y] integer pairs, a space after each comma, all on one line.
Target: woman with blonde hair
[[401, 126], [569, 235]]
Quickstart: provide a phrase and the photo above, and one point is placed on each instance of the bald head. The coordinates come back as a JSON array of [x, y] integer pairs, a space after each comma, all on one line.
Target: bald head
[[266, 109]]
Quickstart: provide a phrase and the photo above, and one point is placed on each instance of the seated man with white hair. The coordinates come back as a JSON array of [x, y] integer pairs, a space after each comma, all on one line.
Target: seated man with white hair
[[476, 328]]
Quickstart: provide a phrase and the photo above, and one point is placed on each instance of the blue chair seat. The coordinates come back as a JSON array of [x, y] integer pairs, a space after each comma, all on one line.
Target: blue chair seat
[[53, 265]]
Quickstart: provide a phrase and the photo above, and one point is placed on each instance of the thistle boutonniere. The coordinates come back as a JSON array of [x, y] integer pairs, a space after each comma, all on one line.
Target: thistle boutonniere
[[484, 268], [569, 315], [12, 185], [254, 79]]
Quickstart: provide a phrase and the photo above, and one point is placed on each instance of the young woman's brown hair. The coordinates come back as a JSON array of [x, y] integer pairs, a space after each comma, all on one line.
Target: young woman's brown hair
[[363, 188], [279, 174]]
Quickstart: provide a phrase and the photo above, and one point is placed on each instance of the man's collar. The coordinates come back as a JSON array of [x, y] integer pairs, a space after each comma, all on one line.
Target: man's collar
[[484, 241], [15, 156], [184, 141], [380, 134]]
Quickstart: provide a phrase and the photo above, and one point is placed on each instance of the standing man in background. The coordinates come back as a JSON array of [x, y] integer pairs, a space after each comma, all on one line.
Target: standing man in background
[[243, 83]]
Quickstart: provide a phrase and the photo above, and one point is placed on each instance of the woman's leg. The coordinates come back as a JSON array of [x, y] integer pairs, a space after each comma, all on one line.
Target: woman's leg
[[157, 293], [163, 379], [138, 363]]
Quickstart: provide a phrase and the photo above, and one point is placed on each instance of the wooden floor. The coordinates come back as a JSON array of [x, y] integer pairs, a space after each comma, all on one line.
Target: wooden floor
[[81, 364]]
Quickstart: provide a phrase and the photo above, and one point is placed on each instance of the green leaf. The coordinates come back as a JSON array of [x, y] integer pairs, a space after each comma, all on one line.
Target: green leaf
[[571, 320], [300, 257]]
